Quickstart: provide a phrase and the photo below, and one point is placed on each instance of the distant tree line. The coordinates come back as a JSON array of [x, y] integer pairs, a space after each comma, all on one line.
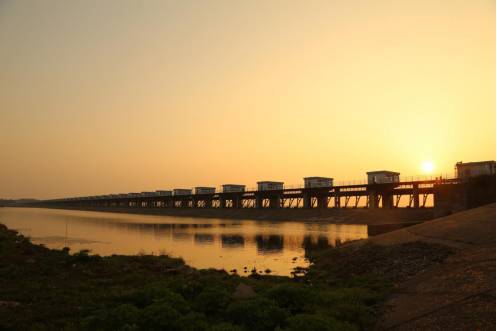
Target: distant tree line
[[14, 202]]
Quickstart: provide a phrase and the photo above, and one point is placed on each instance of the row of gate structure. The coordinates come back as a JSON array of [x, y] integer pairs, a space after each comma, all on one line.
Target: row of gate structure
[[412, 194]]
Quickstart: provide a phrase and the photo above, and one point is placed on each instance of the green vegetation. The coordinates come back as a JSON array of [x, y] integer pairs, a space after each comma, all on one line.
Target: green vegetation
[[43, 289]]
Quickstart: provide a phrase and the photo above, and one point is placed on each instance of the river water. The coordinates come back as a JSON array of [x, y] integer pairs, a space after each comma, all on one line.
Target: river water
[[202, 243]]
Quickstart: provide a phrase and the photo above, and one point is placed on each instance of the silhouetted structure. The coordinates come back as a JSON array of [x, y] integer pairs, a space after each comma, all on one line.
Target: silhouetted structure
[[474, 186]]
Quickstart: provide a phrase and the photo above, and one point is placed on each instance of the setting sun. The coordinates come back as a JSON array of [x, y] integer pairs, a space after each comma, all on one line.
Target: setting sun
[[427, 167]]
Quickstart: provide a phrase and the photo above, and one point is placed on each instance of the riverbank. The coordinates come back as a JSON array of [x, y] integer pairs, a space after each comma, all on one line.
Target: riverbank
[[43, 289], [428, 276], [331, 215]]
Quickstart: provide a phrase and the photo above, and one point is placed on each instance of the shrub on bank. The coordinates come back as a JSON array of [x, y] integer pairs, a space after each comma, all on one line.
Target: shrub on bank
[[212, 300], [258, 314], [156, 293], [294, 297], [314, 322]]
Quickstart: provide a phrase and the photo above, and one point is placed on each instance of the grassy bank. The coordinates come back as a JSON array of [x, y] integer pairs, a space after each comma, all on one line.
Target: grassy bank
[[43, 289]]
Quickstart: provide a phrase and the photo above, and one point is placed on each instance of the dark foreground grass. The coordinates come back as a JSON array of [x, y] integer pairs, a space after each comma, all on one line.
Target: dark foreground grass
[[43, 289]]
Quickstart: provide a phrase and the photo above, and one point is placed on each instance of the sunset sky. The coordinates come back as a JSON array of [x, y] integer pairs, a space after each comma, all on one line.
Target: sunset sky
[[122, 96]]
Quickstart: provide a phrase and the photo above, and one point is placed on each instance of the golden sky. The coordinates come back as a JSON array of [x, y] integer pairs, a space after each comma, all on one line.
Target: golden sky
[[118, 96]]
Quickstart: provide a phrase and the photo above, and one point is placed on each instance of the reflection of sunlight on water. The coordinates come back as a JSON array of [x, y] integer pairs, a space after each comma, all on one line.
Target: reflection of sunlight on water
[[202, 243]]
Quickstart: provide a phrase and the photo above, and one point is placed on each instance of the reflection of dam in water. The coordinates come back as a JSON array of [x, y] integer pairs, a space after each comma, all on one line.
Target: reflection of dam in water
[[232, 241], [203, 239], [269, 243], [315, 235], [202, 243]]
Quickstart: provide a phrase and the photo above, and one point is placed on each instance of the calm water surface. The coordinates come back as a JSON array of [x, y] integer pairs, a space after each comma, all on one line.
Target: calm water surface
[[202, 243]]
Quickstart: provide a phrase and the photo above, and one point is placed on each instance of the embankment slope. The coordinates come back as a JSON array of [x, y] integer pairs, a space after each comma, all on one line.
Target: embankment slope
[[457, 294]]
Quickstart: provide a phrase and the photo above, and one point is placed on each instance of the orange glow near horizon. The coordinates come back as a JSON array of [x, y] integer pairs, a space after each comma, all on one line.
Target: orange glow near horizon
[[129, 96]]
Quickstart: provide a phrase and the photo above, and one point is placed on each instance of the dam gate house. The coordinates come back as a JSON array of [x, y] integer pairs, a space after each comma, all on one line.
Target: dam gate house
[[314, 182], [205, 190], [164, 193], [233, 188], [182, 191], [383, 177], [268, 194], [269, 186], [475, 169]]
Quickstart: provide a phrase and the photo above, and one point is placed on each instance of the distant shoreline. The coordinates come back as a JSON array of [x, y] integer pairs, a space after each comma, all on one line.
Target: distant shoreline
[[336, 216]]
